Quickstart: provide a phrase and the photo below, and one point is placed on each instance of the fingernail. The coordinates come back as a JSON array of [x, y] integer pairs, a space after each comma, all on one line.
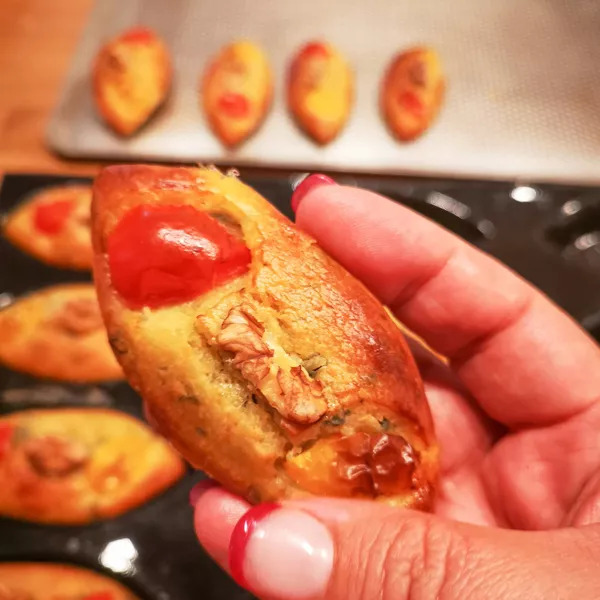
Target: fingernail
[[281, 553], [308, 184], [199, 489]]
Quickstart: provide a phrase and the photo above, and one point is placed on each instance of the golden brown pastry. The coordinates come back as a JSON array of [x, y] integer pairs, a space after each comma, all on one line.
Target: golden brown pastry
[[264, 362], [52, 581], [236, 91], [320, 90], [57, 333], [77, 465], [131, 78], [54, 226], [412, 92]]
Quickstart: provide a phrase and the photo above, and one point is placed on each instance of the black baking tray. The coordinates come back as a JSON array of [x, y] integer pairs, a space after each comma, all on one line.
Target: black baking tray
[[550, 234]]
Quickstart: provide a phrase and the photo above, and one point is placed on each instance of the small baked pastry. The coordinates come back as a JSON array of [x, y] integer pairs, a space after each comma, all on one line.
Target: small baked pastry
[[131, 78], [264, 362], [52, 581], [77, 465], [412, 92], [236, 91], [57, 333], [320, 91], [54, 226]]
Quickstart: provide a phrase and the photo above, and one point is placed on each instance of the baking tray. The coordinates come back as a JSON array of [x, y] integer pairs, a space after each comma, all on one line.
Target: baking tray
[[550, 235], [522, 100]]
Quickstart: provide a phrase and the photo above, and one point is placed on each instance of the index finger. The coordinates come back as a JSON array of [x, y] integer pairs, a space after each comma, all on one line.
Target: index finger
[[523, 358]]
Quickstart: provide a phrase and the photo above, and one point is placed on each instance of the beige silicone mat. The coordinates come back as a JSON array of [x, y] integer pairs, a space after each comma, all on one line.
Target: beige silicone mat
[[523, 98]]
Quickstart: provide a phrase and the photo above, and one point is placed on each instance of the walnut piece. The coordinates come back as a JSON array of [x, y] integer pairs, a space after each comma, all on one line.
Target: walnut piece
[[52, 456], [286, 386], [79, 316], [376, 464]]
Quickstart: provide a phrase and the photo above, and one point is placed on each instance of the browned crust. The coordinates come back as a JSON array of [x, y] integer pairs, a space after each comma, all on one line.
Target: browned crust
[[431, 94], [40, 339], [221, 125], [82, 496], [321, 129], [68, 248], [159, 64], [34, 580], [310, 300]]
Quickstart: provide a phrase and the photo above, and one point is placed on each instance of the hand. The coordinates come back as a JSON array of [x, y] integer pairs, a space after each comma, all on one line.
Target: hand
[[517, 414]]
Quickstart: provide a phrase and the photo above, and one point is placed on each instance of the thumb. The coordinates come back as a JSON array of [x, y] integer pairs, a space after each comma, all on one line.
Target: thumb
[[345, 549]]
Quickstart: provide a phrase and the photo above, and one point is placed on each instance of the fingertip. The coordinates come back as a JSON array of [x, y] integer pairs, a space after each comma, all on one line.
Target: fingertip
[[216, 514]]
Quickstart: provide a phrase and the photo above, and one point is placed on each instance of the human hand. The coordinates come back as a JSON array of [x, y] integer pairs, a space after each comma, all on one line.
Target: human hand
[[517, 414]]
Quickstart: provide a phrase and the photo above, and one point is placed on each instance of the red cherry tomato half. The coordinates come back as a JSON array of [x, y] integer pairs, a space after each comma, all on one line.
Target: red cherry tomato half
[[314, 50], [99, 596], [164, 255], [138, 35], [50, 218], [234, 105], [6, 432], [412, 103]]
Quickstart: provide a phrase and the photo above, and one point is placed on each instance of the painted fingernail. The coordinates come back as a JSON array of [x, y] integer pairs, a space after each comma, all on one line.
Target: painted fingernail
[[199, 489], [281, 553], [308, 184]]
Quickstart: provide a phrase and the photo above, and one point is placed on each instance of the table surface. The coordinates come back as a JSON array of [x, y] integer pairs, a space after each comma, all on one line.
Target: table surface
[[37, 39]]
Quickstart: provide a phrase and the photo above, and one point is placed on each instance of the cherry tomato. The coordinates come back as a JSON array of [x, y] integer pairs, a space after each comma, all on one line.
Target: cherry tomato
[[50, 218], [6, 432], [99, 596], [314, 50], [412, 103], [234, 105], [138, 35], [164, 255]]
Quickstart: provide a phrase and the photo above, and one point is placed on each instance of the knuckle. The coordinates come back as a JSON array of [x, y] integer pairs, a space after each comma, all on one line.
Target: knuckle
[[425, 560], [407, 558]]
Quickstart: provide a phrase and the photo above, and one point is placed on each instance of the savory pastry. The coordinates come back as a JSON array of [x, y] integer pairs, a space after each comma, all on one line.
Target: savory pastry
[[54, 226], [320, 90], [261, 359], [412, 92], [131, 79], [236, 91], [77, 465], [52, 581], [58, 333]]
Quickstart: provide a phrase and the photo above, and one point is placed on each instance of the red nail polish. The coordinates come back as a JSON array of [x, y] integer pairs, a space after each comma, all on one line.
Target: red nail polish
[[239, 538], [199, 489], [308, 184]]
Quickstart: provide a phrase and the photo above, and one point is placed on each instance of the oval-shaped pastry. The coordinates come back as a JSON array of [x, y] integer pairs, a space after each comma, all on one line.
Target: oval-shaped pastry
[[54, 581], [264, 362], [131, 79], [320, 90], [54, 226], [77, 465], [57, 333], [412, 92], [236, 91]]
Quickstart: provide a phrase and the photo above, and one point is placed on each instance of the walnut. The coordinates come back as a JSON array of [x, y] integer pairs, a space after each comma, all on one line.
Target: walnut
[[79, 316], [285, 386], [52, 456], [376, 464], [418, 73], [241, 334], [313, 363]]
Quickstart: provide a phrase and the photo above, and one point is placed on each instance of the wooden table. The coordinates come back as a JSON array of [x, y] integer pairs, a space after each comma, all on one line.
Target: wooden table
[[37, 38]]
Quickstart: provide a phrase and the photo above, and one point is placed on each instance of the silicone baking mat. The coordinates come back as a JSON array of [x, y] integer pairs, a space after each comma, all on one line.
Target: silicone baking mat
[[522, 100]]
